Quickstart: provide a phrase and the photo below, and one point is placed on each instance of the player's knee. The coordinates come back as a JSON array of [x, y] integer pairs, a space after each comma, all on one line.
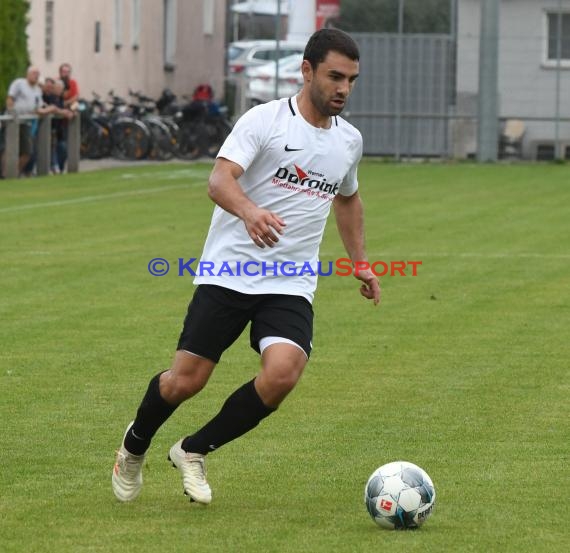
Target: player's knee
[[186, 386], [177, 386], [285, 380]]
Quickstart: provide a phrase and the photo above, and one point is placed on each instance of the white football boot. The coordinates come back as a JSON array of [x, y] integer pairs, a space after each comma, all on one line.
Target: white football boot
[[191, 465], [127, 473]]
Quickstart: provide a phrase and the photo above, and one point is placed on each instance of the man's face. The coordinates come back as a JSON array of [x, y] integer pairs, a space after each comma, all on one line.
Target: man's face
[[64, 72], [33, 76], [331, 83]]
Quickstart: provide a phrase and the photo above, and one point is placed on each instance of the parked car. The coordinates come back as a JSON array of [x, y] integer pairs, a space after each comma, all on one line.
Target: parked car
[[261, 85], [245, 54]]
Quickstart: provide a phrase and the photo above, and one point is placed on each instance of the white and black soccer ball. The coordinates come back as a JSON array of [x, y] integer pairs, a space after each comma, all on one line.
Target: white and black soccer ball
[[399, 495]]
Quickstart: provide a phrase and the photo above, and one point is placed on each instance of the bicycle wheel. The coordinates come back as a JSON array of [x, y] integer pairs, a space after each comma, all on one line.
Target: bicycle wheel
[[216, 132], [190, 140], [131, 139], [105, 138], [161, 145], [91, 140], [174, 130]]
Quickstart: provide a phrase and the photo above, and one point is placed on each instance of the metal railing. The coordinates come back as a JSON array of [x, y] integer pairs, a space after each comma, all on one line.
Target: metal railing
[[43, 143]]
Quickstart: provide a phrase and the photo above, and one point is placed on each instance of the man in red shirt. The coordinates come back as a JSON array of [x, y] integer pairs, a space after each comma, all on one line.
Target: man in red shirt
[[70, 96], [71, 88]]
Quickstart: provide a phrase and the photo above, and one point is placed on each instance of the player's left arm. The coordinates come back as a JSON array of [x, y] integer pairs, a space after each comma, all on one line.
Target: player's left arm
[[349, 215]]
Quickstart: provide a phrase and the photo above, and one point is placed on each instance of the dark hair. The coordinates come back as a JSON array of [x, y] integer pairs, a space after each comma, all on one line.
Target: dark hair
[[324, 41]]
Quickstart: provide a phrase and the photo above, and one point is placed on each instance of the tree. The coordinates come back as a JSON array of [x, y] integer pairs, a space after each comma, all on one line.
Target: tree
[[381, 16], [14, 58]]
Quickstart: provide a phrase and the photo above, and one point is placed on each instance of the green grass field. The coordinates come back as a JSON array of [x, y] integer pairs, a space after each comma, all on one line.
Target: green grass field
[[463, 370]]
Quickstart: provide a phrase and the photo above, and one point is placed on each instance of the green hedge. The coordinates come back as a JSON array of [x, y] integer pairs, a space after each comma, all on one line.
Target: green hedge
[[14, 58]]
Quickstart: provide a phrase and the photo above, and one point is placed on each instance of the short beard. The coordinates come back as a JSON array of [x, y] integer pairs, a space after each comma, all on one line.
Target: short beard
[[322, 106]]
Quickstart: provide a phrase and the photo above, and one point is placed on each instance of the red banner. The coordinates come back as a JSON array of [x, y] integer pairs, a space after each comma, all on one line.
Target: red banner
[[327, 11]]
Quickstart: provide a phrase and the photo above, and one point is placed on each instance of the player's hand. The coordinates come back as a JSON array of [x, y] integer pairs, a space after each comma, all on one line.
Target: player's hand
[[370, 288], [263, 226]]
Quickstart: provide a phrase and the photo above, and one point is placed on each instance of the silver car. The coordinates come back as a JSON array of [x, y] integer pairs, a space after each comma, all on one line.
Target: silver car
[[261, 80], [245, 54]]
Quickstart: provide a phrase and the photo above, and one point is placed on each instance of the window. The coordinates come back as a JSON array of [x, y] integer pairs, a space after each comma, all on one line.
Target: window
[[265, 55], [97, 36], [49, 31], [234, 52], [208, 10], [135, 23], [170, 34], [554, 22], [118, 29]]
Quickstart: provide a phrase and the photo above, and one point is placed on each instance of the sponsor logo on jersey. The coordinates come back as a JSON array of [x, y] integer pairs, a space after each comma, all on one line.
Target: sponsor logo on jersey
[[309, 180]]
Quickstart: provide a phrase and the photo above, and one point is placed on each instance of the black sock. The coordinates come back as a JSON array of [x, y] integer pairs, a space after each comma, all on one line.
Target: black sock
[[151, 415], [241, 412]]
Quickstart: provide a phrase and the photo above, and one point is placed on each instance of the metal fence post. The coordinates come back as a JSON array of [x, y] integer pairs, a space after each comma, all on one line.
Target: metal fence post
[[242, 88], [73, 144], [488, 122], [12, 151], [43, 145], [399, 71], [557, 143]]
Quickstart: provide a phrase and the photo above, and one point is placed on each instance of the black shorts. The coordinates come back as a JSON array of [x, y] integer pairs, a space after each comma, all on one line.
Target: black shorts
[[217, 316]]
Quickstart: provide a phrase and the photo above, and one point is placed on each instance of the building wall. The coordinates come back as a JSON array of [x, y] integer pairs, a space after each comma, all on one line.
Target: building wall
[[199, 55], [527, 85]]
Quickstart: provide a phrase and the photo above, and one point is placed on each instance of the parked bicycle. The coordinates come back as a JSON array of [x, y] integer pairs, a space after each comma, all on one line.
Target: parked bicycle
[[134, 130], [95, 131], [203, 124], [107, 128], [163, 132]]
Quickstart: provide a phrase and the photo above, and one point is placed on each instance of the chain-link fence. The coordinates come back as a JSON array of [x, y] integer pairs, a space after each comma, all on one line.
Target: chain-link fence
[[418, 95], [430, 95], [405, 96]]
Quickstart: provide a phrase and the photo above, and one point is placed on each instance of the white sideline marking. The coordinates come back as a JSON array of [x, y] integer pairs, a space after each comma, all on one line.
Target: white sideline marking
[[386, 256], [505, 255], [101, 197], [170, 175]]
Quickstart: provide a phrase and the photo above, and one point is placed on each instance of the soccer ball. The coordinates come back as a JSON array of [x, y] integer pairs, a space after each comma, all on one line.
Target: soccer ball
[[399, 495]]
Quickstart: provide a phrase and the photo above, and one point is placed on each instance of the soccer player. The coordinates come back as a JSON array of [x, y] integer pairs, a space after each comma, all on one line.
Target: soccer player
[[276, 176]]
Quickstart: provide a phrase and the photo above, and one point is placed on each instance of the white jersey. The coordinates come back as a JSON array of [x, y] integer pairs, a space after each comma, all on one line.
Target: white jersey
[[27, 98], [294, 170]]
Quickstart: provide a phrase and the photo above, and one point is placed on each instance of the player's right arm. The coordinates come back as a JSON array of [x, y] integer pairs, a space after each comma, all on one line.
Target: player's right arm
[[13, 93], [262, 225]]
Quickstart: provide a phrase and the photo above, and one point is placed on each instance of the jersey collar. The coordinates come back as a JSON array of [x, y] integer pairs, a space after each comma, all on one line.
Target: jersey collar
[[294, 99]]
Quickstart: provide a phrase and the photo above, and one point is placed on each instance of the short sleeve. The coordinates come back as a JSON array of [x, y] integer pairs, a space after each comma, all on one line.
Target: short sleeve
[[350, 182], [73, 88], [247, 138], [14, 89]]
